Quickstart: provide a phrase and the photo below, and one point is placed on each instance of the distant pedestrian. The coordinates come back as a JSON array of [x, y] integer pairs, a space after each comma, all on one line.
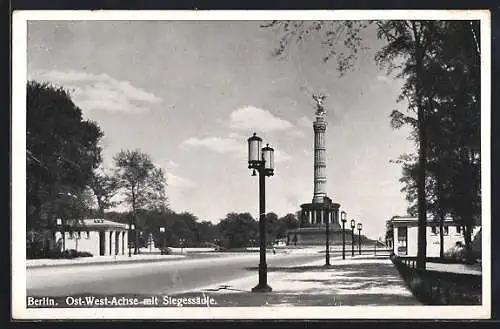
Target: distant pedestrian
[[274, 250]]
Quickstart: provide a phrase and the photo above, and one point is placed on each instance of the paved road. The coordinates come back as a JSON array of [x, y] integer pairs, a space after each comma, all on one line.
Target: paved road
[[168, 277]]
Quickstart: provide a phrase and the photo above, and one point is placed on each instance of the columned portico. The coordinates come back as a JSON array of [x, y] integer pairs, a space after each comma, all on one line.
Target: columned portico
[[100, 237]]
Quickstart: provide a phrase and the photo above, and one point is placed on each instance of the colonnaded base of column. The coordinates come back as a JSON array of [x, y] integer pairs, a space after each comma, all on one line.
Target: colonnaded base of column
[[316, 236]]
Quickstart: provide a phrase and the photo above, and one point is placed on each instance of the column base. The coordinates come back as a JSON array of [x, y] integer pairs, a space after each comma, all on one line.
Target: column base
[[262, 288]]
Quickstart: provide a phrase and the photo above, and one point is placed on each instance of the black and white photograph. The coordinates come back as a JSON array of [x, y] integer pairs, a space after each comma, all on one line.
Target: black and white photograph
[[239, 164]]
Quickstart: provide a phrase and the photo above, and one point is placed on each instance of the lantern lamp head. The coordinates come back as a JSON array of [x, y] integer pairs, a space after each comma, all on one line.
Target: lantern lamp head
[[343, 216], [353, 223], [254, 151], [268, 158], [360, 226]]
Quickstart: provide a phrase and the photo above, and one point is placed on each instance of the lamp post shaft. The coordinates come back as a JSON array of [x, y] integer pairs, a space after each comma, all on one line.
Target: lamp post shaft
[[262, 286], [136, 236], [352, 241], [128, 240], [343, 239], [327, 251], [262, 229], [359, 242]]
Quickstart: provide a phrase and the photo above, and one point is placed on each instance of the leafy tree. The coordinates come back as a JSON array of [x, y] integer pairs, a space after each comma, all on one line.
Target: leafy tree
[[62, 151], [142, 182], [238, 229], [415, 49], [104, 186], [451, 85]]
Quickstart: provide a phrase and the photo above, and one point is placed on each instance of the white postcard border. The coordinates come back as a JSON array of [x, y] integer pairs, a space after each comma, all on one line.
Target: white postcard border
[[18, 183]]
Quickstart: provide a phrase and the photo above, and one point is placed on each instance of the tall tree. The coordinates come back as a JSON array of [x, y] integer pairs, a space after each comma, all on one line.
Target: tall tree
[[62, 151], [104, 186], [410, 47], [142, 182]]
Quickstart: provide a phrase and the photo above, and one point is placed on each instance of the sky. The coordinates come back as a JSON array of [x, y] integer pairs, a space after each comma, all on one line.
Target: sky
[[190, 93]]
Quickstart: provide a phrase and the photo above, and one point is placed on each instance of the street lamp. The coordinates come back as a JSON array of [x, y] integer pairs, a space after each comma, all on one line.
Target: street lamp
[[162, 230], [343, 218], [262, 161], [59, 224], [181, 242], [328, 202], [130, 228], [353, 226], [360, 227]]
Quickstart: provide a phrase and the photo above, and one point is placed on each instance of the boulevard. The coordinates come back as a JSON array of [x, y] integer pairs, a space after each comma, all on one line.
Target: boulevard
[[174, 276]]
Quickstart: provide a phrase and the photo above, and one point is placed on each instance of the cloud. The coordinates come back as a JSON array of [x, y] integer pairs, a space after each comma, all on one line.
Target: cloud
[[384, 79], [100, 91], [178, 181], [253, 118], [296, 133], [172, 164], [305, 122], [281, 156], [217, 144]]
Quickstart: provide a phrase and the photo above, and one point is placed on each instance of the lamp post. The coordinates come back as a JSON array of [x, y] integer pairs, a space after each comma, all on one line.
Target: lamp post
[[360, 227], [162, 230], [130, 228], [181, 242], [59, 224], [353, 226], [328, 202], [343, 218], [262, 161]]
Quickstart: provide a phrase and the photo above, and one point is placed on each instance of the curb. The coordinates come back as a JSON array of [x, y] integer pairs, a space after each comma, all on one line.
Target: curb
[[104, 263]]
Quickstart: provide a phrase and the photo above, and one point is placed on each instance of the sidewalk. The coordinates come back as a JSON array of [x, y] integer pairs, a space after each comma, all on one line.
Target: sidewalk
[[475, 269], [119, 259], [362, 280]]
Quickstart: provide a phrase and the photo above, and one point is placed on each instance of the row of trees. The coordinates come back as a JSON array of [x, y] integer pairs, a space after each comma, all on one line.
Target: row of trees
[[235, 230], [439, 64], [65, 179]]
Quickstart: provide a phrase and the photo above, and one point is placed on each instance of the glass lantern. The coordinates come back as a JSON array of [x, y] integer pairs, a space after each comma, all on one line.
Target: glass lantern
[[343, 216], [360, 226], [254, 151], [268, 157], [353, 223]]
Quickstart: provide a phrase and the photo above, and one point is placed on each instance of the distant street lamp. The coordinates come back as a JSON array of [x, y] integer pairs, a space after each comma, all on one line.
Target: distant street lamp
[[181, 242], [59, 223], [353, 226], [328, 209], [360, 227], [262, 161], [162, 230], [343, 218], [130, 228]]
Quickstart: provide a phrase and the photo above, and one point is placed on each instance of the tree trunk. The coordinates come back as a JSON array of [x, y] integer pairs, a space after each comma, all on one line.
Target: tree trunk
[[468, 243], [441, 215], [422, 162]]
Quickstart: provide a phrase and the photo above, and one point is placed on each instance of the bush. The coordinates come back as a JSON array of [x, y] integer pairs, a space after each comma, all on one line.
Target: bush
[[84, 254]]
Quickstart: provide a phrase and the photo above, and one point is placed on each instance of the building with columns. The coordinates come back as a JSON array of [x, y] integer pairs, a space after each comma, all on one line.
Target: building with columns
[[100, 237], [404, 239]]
